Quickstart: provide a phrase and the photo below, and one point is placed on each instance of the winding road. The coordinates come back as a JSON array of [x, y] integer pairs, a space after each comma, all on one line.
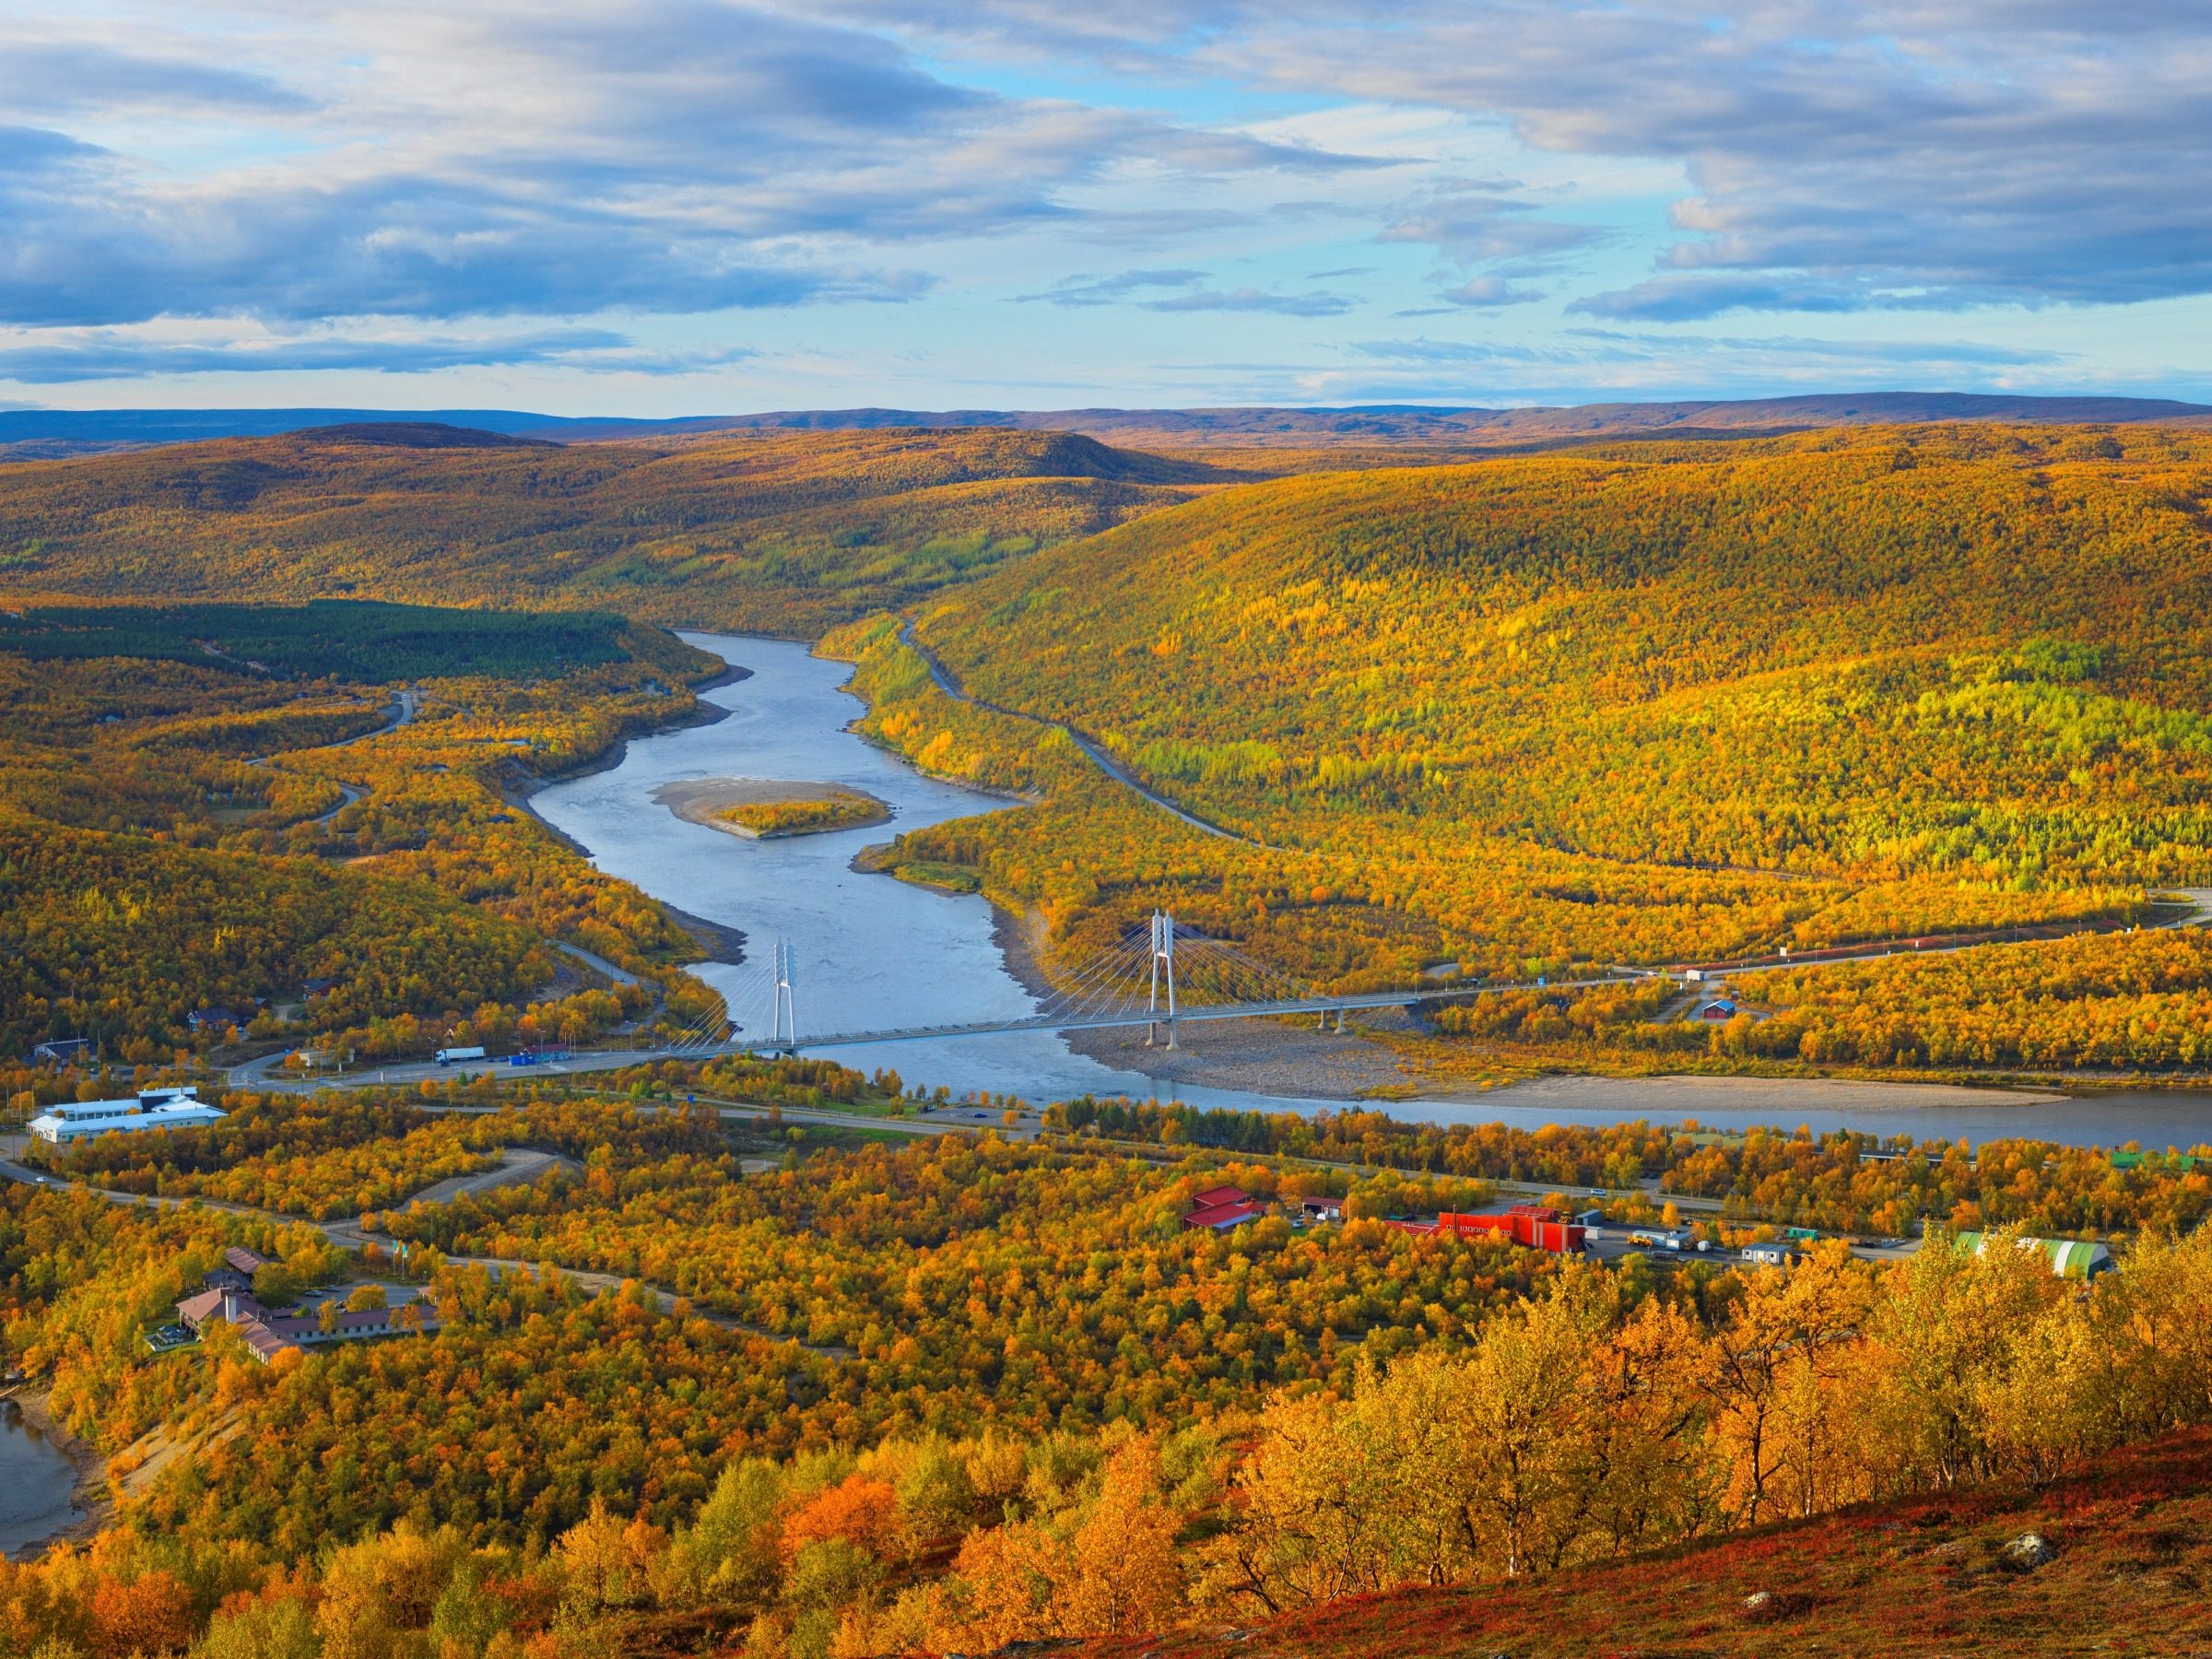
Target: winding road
[[1090, 746], [516, 1166], [2199, 899], [405, 701]]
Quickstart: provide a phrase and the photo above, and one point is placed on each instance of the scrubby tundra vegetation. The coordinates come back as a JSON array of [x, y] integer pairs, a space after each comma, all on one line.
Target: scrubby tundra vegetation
[[1654, 704], [861, 1394], [184, 830], [953, 1394]]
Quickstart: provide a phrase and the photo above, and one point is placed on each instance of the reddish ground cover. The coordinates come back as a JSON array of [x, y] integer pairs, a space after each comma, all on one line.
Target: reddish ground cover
[[2133, 1543]]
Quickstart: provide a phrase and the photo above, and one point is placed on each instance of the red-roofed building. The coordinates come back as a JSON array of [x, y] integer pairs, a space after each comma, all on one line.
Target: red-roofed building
[[1214, 1197], [1532, 1225], [267, 1335]]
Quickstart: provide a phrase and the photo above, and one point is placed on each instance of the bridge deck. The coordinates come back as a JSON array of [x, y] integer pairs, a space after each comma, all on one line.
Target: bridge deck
[[1203, 1011]]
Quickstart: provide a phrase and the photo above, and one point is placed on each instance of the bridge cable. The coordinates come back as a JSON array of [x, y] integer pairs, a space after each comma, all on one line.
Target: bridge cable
[[1096, 983]]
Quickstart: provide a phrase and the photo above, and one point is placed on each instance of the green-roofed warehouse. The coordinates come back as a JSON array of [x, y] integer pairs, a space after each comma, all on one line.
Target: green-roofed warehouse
[[2070, 1258], [2182, 1162]]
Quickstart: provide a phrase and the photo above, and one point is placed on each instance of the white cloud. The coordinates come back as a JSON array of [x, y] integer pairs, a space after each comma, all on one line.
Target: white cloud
[[485, 176]]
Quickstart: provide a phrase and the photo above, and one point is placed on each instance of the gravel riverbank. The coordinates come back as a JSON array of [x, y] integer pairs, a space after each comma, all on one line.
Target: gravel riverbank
[[1289, 1059]]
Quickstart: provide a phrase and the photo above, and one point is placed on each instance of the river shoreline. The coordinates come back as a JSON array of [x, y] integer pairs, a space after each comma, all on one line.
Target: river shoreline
[[90, 1497], [1281, 1059], [1673, 1096], [518, 783], [923, 968], [717, 941]]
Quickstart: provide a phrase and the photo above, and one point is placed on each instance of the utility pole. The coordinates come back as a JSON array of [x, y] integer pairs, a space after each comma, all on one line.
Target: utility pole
[[1163, 965]]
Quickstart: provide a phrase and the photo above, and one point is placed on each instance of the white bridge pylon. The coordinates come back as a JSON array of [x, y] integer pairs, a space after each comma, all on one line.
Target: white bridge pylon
[[1160, 979], [1163, 966], [784, 1017]]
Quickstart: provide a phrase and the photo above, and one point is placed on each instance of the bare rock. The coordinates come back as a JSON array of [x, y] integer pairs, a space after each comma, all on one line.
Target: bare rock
[[2028, 1552]]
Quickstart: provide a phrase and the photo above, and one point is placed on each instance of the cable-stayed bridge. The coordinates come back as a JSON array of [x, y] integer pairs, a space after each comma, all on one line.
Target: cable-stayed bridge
[[1161, 977]]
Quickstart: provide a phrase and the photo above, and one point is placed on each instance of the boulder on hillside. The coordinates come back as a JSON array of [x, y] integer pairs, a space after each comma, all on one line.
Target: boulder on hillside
[[2028, 1552]]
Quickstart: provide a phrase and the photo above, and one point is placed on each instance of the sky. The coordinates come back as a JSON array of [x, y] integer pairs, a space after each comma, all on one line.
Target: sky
[[663, 207]]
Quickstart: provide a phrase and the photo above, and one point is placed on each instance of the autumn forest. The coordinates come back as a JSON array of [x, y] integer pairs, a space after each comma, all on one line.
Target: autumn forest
[[1879, 754]]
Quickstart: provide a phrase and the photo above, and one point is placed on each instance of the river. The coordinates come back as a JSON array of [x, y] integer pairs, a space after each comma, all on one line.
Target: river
[[873, 953], [36, 1482]]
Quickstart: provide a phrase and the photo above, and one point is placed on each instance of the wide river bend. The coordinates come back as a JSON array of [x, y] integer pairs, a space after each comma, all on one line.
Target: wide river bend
[[874, 953]]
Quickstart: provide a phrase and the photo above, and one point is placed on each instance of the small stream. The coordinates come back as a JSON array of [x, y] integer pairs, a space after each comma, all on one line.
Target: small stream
[[873, 953]]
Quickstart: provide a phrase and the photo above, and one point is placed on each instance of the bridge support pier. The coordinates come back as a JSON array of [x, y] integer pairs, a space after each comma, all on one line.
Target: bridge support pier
[[1163, 966]]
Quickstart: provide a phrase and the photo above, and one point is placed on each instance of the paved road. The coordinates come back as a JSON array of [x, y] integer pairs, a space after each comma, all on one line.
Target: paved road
[[517, 1164], [944, 1120], [2199, 915], [267, 1072], [621, 976], [348, 794], [1090, 746], [523, 1164], [403, 703], [970, 1119], [2200, 899], [264, 1072], [402, 711]]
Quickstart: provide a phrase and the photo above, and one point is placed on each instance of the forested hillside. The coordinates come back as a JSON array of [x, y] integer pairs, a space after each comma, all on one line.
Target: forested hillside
[[777, 533], [2122, 1548], [1636, 701], [1647, 702], [954, 1394], [1911, 652], [229, 809]]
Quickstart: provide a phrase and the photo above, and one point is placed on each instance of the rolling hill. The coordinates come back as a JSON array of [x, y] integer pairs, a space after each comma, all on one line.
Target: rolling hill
[[1420, 426], [780, 532], [1645, 703], [30, 434], [1896, 649]]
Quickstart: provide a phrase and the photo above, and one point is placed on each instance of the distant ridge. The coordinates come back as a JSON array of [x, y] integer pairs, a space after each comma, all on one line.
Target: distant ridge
[[416, 434], [28, 434], [1483, 426]]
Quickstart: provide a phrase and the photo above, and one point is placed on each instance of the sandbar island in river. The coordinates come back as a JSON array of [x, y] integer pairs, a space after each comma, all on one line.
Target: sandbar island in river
[[772, 809]]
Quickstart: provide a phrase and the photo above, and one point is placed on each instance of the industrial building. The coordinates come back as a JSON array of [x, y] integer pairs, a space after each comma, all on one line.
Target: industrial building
[[1535, 1226], [2070, 1258], [148, 1109]]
